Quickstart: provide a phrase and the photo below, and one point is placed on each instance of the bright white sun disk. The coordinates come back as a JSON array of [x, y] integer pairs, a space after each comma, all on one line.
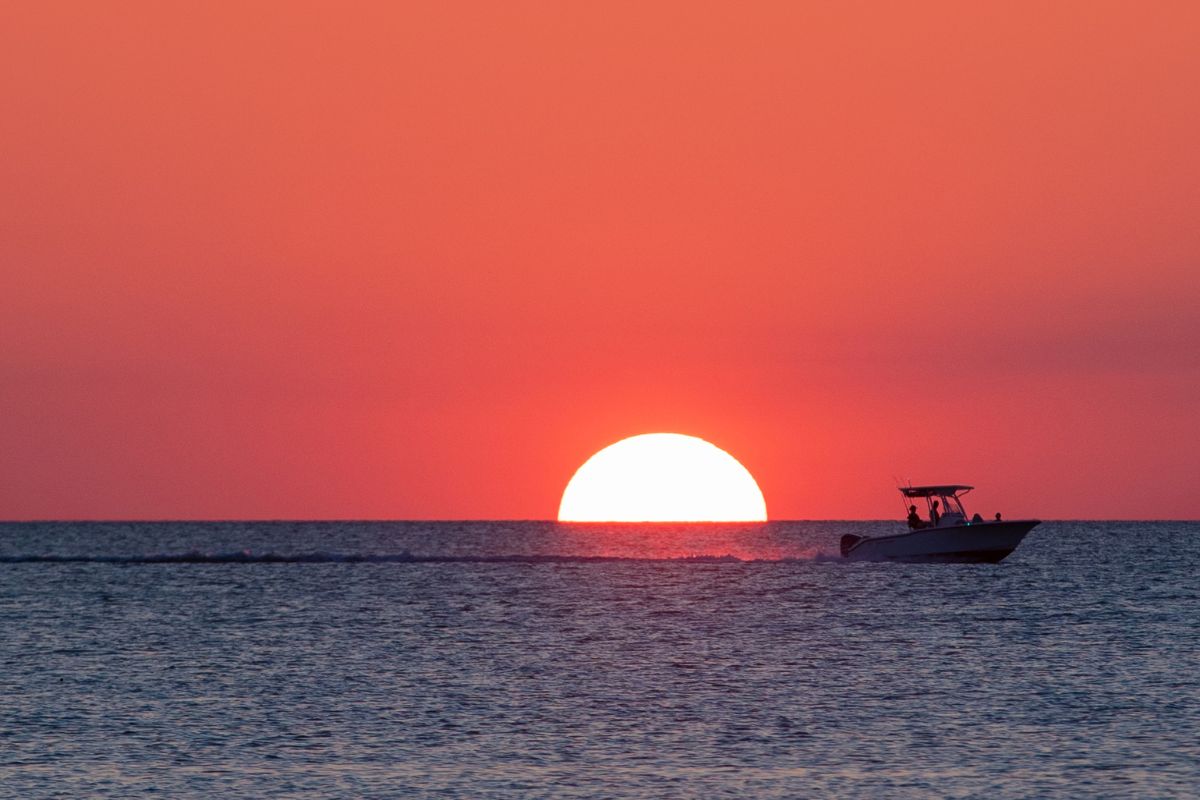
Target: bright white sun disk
[[662, 477]]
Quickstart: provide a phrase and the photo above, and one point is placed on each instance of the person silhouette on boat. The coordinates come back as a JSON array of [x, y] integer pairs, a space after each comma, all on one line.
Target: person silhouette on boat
[[934, 516], [998, 517], [914, 519]]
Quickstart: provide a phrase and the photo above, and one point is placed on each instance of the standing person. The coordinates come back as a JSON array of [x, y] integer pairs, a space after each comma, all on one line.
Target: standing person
[[914, 519], [934, 516]]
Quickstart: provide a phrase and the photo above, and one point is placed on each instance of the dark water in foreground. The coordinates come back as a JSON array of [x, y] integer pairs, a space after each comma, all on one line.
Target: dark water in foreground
[[339, 659]]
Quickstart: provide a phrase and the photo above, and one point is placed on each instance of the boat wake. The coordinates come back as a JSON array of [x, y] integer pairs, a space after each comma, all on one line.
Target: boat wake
[[247, 557]]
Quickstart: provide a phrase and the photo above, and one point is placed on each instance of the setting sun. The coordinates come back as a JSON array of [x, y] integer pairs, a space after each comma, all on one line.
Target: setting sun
[[662, 477]]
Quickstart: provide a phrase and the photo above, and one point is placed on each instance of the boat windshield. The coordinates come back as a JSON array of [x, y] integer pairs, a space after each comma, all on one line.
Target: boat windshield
[[948, 501]]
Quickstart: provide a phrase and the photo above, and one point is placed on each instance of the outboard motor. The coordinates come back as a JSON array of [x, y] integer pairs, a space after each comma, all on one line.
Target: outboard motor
[[848, 541]]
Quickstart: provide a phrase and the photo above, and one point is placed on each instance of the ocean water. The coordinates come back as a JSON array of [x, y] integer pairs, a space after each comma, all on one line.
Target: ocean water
[[530, 659]]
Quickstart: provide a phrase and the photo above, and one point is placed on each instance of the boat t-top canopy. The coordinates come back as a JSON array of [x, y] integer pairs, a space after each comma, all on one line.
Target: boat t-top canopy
[[950, 490]]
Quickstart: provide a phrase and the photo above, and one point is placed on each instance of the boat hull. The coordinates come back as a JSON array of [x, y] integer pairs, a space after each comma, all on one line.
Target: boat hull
[[978, 543]]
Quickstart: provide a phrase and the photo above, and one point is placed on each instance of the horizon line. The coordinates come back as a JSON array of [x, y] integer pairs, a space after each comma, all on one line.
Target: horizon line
[[149, 520]]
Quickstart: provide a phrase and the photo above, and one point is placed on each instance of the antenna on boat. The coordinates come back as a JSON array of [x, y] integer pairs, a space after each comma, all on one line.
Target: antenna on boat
[[903, 499]]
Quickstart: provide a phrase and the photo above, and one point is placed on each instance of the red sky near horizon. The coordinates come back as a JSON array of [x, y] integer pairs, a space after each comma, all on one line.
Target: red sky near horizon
[[420, 260]]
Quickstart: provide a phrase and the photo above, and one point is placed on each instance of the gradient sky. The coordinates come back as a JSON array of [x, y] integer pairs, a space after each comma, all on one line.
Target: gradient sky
[[420, 260]]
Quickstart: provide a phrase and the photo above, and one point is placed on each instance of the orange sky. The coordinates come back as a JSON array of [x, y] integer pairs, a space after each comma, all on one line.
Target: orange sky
[[422, 260]]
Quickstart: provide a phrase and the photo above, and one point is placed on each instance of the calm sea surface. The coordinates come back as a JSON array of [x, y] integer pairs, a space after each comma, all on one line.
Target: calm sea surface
[[529, 659]]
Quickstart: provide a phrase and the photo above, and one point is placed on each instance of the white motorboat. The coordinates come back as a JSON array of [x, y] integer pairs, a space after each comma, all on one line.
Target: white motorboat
[[946, 535]]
